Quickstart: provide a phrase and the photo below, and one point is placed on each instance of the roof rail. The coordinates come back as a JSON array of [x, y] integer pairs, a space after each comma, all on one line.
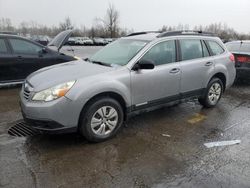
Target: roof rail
[[141, 33], [186, 32]]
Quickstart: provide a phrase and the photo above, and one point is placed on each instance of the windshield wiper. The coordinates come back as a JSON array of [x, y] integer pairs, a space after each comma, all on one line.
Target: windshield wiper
[[99, 63]]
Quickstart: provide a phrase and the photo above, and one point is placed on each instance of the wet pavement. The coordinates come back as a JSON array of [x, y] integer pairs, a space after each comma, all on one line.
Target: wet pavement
[[163, 148]]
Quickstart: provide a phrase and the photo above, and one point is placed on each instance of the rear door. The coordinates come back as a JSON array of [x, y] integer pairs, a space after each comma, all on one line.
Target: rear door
[[7, 63], [196, 65]]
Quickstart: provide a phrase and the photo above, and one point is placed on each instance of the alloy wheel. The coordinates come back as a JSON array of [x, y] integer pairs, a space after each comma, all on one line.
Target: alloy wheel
[[214, 93], [104, 120]]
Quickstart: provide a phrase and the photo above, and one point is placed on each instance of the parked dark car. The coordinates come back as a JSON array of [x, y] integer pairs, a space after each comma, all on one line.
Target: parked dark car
[[241, 51], [19, 56]]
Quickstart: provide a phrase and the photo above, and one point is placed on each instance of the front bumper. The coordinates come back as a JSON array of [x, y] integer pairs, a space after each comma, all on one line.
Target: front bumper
[[56, 116], [48, 126]]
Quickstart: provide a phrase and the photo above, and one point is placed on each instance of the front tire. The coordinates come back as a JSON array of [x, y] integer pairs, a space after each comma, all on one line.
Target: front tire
[[212, 94], [101, 120]]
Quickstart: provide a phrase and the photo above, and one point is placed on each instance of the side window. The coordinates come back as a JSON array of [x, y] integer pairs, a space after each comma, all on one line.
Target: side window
[[215, 47], [20, 46], [205, 50], [162, 53], [190, 49], [3, 47]]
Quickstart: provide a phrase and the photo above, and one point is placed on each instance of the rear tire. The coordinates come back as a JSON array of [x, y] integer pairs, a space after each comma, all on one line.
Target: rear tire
[[101, 120], [212, 94]]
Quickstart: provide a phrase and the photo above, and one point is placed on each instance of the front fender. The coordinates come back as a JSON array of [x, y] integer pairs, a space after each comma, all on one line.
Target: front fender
[[107, 86], [85, 89]]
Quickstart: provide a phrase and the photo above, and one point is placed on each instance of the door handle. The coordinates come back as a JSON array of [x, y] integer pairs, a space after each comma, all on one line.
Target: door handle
[[19, 57], [175, 70], [208, 63]]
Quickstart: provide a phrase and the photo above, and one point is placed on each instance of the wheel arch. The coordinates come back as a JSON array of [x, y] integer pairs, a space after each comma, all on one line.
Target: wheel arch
[[222, 77], [110, 94]]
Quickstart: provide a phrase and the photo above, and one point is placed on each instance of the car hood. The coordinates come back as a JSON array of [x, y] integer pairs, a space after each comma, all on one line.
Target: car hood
[[59, 40], [61, 73]]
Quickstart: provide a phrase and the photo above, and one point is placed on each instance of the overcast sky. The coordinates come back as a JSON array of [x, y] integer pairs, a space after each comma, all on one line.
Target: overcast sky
[[136, 14]]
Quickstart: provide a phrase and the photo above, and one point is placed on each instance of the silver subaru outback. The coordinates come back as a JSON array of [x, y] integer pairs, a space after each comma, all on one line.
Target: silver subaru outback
[[134, 74]]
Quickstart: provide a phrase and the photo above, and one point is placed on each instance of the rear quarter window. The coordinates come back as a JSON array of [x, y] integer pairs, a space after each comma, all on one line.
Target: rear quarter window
[[215, 48]]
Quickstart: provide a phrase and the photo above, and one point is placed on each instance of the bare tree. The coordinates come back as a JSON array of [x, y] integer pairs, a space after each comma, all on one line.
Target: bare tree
[[67, 24], [110, 21], [5, 24]]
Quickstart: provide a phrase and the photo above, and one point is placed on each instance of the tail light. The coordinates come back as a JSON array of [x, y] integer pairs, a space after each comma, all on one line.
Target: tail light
[[243, 59], [232, 58]]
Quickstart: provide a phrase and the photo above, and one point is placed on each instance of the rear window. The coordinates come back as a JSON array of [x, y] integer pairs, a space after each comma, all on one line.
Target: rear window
[[215, 47], [3, 48], [190, 49], [238, 47]]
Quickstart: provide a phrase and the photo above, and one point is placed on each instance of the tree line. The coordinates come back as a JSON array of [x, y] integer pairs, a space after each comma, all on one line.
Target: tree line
[[222, 30], [109, 27]]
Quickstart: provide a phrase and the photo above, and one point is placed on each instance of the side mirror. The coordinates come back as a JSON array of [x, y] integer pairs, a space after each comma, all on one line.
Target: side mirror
[[44, 51], [144, 64]]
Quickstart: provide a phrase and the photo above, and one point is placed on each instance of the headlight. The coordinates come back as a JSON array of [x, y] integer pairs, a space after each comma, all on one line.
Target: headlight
[[77, 58], [54, 92]]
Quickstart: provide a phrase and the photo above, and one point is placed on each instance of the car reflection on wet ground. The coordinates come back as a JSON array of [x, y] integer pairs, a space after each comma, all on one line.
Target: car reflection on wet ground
[[162, 148]]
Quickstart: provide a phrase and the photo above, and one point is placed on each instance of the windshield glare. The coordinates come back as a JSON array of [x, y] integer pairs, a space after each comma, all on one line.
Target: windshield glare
[[119, 52]]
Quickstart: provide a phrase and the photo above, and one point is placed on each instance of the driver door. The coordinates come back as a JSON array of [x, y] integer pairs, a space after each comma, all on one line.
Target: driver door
[[158, 85]]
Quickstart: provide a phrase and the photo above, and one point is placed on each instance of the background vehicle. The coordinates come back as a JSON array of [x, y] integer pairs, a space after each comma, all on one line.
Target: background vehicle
[[99, 41], [131, 75], [71, 41], [19, 56], [108, 40], [79, 41], [87, 41], [241, 51], [44, 40], [8, 33]]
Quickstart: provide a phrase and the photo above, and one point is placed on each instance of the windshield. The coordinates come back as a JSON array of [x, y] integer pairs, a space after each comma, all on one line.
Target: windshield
[[119, 52], [239, 47]]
